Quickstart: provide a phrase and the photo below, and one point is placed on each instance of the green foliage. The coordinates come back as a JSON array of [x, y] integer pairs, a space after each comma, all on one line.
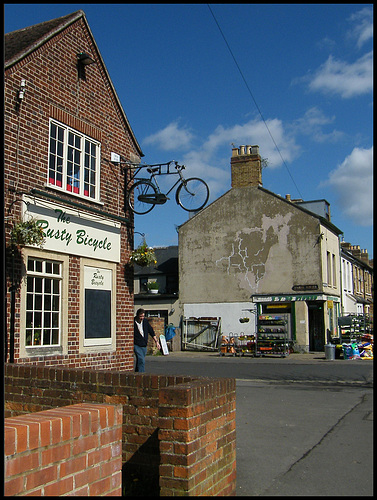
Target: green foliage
[[27, 232]]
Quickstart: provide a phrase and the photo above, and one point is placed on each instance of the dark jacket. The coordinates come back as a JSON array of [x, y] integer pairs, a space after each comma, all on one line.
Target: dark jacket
[[147, 329]]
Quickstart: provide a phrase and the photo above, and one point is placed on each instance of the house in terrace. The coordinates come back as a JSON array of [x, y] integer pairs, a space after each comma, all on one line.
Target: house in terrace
[[69, 302], [357, 290], [254, 254]]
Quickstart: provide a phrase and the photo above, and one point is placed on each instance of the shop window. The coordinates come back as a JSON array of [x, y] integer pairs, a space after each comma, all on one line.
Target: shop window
[[43, 302], [73, 164]]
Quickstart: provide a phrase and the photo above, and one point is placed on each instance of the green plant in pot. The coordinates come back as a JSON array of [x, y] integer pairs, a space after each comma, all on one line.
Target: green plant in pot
[[153, 286]]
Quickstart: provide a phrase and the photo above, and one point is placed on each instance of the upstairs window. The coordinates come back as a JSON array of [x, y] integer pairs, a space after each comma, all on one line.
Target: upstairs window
[[73, 164]]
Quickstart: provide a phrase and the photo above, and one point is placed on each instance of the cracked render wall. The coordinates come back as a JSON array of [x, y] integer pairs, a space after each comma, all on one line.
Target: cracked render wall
[[247, 242]]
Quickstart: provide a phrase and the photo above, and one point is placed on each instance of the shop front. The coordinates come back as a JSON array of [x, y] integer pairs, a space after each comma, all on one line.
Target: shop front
[[68, 296], [311, 318]]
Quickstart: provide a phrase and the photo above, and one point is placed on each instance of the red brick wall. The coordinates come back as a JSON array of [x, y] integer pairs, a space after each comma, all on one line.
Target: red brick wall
[[178, 434], [53, 90], [73, 450], [198, 439]]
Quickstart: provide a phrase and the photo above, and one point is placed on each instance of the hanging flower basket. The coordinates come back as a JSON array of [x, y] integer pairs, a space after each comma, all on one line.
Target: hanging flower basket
[[27, 232], [143, 256]]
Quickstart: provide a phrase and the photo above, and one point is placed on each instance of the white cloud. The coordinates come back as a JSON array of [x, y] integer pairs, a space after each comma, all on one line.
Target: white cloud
[[312, 124], [171, 138], [254, 133], [352, 181], [340, 77], [210, 159], [362, 29]]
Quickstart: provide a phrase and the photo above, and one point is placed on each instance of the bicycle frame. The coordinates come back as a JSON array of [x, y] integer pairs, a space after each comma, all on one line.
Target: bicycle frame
[[156, 170]]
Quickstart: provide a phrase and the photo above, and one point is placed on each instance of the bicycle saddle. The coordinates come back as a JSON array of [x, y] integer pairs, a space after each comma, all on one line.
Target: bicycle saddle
[[153, 170]]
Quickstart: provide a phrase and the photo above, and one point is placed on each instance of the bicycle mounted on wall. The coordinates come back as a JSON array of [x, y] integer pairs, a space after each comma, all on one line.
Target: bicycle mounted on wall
[[192, 194]]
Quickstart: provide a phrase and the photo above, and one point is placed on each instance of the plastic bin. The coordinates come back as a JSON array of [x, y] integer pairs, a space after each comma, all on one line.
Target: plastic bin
[[330, 351]]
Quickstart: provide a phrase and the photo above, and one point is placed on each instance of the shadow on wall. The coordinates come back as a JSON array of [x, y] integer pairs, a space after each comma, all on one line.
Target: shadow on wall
[[143, 480]]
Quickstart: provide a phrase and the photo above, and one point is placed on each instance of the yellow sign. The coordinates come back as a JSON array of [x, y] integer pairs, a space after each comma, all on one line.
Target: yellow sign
[[330, 304]]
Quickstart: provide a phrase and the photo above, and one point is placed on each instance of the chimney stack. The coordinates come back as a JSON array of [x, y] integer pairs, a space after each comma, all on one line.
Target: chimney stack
[[246, 166]]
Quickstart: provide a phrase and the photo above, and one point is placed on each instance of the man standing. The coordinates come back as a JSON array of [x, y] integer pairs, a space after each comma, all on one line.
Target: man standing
[[142, 329]]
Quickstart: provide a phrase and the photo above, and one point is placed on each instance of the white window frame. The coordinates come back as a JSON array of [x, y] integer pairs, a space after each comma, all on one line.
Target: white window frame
[[62, 163], [49, 290], [51, 349], [329, 273]]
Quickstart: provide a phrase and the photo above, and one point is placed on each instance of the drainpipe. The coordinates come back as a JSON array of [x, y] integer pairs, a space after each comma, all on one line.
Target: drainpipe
[[12, 290], [341, 285]]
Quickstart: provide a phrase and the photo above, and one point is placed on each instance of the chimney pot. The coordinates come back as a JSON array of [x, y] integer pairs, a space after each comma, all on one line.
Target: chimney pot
[[288, 197]]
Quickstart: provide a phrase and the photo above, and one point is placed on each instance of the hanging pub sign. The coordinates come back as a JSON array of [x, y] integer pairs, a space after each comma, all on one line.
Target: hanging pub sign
[[73, 231]]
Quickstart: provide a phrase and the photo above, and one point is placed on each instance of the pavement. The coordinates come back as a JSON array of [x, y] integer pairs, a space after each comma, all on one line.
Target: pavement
[[304, 423], [307, 357]]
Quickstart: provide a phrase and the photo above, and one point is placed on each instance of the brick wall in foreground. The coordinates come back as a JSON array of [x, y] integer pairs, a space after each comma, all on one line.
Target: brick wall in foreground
[[73, 450], [178, 433]]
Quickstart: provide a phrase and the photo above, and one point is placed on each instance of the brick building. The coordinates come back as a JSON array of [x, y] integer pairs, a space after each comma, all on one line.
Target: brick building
[[70, 302]]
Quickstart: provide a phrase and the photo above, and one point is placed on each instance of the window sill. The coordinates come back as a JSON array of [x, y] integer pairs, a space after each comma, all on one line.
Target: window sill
[[43, 351], [74, 195]]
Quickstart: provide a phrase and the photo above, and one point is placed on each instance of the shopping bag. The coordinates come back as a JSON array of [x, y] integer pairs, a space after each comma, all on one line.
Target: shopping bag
[[169, 331]]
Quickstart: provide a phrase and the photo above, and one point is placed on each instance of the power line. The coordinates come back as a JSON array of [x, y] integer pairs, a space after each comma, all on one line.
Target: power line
[[255, 102]]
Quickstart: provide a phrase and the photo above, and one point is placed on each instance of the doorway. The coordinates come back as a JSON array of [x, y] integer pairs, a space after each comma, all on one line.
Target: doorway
[[316, 326]]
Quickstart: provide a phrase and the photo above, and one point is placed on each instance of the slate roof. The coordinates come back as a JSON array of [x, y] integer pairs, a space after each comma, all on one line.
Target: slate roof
[[19, 43], [167, 262]]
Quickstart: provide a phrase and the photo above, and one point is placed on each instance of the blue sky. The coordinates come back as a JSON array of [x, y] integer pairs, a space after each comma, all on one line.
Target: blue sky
[[301, 88]]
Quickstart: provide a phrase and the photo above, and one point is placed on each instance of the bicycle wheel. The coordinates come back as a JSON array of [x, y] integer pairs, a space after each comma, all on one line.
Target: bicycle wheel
[[192, 194], [142, 188]]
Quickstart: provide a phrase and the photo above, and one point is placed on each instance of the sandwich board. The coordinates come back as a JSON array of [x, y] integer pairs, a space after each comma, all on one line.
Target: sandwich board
[[163, 344]]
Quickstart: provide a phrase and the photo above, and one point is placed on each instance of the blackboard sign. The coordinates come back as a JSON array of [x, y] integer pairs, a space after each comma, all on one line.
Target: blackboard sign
[[97, 314]]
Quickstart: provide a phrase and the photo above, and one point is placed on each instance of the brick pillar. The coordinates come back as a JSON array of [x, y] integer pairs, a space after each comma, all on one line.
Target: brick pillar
[[197, 433]]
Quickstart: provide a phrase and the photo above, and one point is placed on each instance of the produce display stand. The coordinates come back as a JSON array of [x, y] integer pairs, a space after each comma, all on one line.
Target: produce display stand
[[272, 336], [246, 345], [356, 337], [240, 345], [228, 345]]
